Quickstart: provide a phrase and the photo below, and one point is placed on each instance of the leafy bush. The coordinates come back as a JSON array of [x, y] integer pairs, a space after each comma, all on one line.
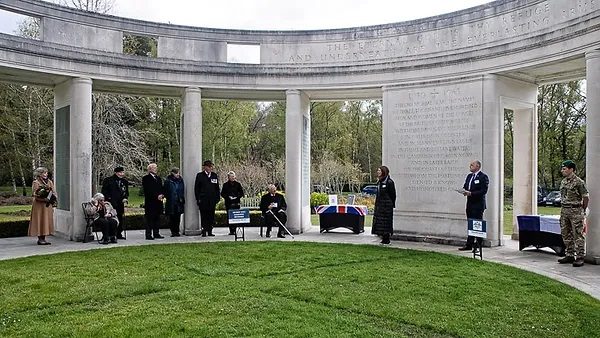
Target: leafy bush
[[14, 228], [132, 222], [318, 198], [16, 200]]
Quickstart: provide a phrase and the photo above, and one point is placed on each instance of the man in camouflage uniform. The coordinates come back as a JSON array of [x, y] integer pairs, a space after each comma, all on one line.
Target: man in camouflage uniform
[[574, 201]]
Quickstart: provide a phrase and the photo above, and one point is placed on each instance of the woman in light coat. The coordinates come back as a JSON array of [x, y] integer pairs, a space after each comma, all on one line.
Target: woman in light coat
[[41, 223]]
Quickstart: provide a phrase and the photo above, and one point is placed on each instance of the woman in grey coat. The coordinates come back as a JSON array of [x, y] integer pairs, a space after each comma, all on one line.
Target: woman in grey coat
[[385, 202]]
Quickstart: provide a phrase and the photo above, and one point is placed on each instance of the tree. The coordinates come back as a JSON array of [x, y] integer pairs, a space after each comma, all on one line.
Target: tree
[[97, 6], [561, 130]]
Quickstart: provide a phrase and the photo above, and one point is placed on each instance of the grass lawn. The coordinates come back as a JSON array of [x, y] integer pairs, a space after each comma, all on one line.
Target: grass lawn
[[278, 289]]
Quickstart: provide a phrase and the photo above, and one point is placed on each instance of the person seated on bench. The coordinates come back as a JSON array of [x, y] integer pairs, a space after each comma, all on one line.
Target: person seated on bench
[[105, 217], [272, 204]]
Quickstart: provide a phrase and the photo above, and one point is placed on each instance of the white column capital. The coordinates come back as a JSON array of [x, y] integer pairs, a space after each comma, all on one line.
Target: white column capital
[[192, 90], [592, 54]]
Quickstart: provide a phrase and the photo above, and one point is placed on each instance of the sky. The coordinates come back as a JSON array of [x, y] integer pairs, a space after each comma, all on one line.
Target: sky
[[275, 14]]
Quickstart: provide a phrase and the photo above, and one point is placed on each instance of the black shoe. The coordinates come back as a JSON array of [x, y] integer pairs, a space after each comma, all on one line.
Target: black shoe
[[211, 234], [43, 243], [149, 238], [465, 248], [578, 262], [232, 233], [280, 236], [175, 235], [104, 241], [120, 237], [113, 239], [566, 260], [158, 236], [203, 234]]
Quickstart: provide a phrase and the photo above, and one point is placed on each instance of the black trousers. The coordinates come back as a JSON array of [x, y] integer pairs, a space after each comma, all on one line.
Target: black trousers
[[152, 224], [232, 228], [120, 208], [207, 220], [174, 221], [270, 222], [120, 227], [475, 213], [108, 226]]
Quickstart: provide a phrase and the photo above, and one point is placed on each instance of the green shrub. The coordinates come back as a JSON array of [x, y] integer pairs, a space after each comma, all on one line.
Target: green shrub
[[318, 198], [14, 228], [136, 222], [19, 228]]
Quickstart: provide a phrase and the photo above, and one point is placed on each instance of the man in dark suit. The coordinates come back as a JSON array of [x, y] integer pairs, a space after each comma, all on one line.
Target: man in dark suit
[[475, 188], [116, 191], [275, 202], [206, 189], [153, 201]]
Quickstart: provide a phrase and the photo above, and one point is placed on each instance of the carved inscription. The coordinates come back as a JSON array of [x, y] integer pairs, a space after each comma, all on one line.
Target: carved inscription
[[435, 133], [526, 20]]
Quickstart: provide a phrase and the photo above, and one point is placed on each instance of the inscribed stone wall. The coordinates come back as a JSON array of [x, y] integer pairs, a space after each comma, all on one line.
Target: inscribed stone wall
[[432, 37], [433, 133]]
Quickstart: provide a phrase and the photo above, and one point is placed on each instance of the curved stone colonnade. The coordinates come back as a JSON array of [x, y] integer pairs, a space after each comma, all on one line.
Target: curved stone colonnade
[[445, 82]]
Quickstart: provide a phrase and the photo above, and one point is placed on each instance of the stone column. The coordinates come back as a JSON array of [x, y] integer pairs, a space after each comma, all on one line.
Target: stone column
[[492, 157], [502, 93], [593, 155], [297, 158], [72, 160], [191, 155], [525, 155]]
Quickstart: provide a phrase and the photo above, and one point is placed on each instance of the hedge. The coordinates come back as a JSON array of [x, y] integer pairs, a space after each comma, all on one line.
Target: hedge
[[133, 222]]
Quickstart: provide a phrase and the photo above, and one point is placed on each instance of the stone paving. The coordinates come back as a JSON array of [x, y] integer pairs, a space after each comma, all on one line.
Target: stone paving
[[586, 278]]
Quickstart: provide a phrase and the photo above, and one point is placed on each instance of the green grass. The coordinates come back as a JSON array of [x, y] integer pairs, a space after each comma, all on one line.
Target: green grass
[[15, 209], [6, 188], [508, 217], [283, 289]]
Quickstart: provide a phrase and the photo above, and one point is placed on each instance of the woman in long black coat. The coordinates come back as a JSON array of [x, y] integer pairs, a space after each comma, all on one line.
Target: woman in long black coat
[[385, 202], [175, 194]]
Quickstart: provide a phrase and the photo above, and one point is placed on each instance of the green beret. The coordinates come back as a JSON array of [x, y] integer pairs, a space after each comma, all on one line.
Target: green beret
[[569, 164]]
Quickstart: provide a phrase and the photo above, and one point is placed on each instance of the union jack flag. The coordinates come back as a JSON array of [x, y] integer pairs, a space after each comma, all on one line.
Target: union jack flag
[[342, 209]]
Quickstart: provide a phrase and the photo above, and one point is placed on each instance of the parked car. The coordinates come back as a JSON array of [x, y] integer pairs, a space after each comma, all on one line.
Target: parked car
[[541, 198], [369, 190], [553, 198]]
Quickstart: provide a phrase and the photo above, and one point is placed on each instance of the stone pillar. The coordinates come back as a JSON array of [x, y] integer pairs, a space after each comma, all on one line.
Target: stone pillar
[[191, 155], [525, 156], [73, 155], [297, 160], [593, 155], [501, 93]]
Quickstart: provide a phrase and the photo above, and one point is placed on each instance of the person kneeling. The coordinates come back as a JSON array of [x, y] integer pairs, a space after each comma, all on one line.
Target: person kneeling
[[105, 217], [273, 206]]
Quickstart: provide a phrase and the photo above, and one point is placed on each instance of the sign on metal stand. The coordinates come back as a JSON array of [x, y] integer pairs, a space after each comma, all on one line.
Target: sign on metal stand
[[241, 218], [478, 229]]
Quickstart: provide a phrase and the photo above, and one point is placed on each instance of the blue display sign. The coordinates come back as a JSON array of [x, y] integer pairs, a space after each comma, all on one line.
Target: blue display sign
[[239, 216], [477, 228]]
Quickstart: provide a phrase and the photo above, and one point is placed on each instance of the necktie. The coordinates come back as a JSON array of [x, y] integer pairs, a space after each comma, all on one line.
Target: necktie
[[471, 182]]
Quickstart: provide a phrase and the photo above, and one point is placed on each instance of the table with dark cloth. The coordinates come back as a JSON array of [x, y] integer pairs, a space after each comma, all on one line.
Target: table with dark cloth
[[540, 231], [342, 216]]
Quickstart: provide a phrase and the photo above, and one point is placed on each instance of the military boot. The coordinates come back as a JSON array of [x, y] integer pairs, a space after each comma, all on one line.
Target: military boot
[[578, 262], [566, 260]]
